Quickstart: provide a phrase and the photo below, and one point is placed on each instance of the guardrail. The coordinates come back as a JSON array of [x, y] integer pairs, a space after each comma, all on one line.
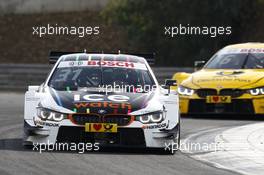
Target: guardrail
[[16, 77]]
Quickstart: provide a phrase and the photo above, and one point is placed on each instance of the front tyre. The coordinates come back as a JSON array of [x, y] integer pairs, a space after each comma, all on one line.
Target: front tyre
[[174, 145]]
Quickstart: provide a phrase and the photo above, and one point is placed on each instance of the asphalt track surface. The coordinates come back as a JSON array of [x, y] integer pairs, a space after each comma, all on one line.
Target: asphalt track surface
[[14, 159]]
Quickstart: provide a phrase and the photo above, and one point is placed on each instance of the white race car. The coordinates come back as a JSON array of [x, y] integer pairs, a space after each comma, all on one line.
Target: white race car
[[109, 99]]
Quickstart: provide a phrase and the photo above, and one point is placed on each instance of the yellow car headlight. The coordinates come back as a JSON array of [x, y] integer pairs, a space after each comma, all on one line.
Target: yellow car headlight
[[185, 91], [257, 91]]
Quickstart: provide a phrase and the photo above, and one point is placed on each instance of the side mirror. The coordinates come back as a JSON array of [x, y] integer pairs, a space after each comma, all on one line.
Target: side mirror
[[198, 65], [33, 88], [169, 83]]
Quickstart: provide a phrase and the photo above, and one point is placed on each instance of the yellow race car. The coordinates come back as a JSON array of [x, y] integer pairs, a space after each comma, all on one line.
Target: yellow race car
[[231, 82]]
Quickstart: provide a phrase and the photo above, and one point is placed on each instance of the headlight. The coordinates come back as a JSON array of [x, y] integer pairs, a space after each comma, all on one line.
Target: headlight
[[185, 91], [155, 117], [257, 91], [46, 114]]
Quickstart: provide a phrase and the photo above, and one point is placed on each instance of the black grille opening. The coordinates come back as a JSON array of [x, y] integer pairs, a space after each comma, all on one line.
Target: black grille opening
[[81, 119], [202, 93], [120, 120], [234, 93], [236, 107]]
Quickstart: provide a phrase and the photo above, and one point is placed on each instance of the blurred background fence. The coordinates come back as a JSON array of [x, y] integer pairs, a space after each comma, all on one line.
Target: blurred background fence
[[127, 25], [47, 6]]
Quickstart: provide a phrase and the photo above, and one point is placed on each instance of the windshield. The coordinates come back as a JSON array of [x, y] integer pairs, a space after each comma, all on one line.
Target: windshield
[[236, 61], [74, 78]]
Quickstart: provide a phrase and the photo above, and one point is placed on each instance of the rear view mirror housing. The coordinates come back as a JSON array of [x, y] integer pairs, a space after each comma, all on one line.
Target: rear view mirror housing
[[169, 83], [199, 64]]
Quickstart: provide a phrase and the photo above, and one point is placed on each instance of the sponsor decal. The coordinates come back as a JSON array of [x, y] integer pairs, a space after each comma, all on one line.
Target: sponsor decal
[[43, 123], [75, 63], [100, 97], [252, 50], [100, 127], [218, 99], [225, 76], [111, 64], [102, 111], [95, 63], [156, 126], [103, 105], [224, 79], [242, 50]]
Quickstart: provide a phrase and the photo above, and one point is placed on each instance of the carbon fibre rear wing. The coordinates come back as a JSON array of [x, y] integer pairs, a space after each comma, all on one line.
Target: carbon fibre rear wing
[[55, 55]]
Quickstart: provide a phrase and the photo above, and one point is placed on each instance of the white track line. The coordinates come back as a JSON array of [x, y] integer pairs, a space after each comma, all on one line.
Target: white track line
[[239, 149]]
